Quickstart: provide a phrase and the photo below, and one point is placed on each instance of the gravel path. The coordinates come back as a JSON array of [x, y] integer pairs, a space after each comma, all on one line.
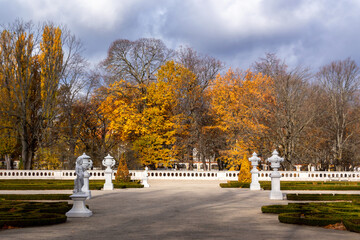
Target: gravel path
[[178, 210]]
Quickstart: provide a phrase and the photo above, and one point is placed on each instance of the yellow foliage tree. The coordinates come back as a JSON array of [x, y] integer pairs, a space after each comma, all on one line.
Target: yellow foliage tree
[[237, 100], [122, 174], [244, 174], [148, 118]]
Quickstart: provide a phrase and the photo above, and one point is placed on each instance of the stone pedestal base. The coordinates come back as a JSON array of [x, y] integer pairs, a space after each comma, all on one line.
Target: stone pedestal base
[[145, 183], [255, 186], [276, 195], [108, 186], [79, 209]]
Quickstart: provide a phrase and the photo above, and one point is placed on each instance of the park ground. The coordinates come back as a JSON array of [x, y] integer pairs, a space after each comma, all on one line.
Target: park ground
[[177, 210]]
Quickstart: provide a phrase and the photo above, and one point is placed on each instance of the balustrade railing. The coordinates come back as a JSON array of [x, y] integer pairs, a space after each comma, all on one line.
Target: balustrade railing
[[184, 175]]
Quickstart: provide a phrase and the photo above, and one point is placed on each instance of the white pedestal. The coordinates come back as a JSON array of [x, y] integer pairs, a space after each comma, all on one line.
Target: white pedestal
[[85, 188], [79, 209], [275, 193], [255, 185], [145, 183], [108, 181]]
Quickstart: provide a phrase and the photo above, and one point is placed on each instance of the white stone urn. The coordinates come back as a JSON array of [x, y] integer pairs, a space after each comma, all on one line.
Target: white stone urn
[[87, 163], [275, 161], [108, 162], [255, 185]]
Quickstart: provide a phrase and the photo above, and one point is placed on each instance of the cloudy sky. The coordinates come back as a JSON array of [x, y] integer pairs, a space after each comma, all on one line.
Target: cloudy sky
[[238, 32]]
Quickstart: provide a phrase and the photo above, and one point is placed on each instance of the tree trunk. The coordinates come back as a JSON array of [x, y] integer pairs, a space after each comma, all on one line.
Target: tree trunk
[[9, 162]]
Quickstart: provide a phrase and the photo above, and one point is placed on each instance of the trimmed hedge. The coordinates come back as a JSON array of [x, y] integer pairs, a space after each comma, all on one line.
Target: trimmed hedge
[[352, 225], [37, 184], [299, 185], [323, 197], [318, 214], [26, 214], [311, 220], [34, 196]]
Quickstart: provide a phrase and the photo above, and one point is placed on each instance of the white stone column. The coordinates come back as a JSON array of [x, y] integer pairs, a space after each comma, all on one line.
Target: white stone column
[[108, 162], [275, 161], [255, 185], [145, 177], [87, 163]]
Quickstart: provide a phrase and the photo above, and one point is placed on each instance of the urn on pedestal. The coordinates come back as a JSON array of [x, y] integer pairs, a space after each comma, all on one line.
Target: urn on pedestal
[[255, 185], [108, 162], [275, 161]]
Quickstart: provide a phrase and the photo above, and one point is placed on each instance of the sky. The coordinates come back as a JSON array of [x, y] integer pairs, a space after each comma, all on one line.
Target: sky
[[309, 33]]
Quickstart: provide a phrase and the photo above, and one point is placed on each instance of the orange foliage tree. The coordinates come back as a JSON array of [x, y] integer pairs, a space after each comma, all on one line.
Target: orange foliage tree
[[237, 100], [149, 119]]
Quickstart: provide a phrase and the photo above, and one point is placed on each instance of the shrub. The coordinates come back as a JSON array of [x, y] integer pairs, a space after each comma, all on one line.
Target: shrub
[[122, 174]]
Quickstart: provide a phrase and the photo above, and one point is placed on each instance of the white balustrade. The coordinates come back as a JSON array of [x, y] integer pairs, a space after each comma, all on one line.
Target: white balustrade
[[184, 175]]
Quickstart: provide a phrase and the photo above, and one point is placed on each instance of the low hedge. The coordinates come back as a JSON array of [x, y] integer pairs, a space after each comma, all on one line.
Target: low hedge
[[34, 196], [318, 214], [323, 197], [233, 184], [37, 184], [299, 185], [311, 219], [26, 214], [352, 225]]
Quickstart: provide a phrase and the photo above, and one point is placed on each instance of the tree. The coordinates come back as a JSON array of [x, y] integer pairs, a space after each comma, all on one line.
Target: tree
[[293, 108], [31, 67], [244, 174], [340, 81], [136, 61], [238, 101], [197, 123], [151, 128], [122, 174]]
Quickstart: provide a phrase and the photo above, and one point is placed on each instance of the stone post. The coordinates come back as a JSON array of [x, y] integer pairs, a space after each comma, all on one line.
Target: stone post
[[255, 185], [275, 161], [145, 178], [108, 162], [87, 163]]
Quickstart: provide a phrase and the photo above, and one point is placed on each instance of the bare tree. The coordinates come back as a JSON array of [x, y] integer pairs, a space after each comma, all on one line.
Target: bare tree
[[340, 81], [136, 61], [293, 109]]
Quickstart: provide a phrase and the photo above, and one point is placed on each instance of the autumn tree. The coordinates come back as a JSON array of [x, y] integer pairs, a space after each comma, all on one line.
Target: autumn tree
[[152, 129], [238, 100], [198, 121], [122, 174], [32, 66], [244, 174]]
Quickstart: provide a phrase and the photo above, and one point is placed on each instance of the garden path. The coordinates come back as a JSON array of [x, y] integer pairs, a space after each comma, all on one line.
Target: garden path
[[178, 210]]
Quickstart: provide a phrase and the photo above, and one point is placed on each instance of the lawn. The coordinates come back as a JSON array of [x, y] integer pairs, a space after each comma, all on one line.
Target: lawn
[[328, 214], [36, 184], [299, 185]]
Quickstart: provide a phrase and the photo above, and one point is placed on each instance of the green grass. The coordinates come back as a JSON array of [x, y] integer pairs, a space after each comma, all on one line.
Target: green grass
[[320, 214], [36, 184], [299, 185], [26, 214]]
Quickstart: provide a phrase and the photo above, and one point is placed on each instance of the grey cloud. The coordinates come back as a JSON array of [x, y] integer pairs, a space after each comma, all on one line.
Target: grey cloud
[[303, 32]]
